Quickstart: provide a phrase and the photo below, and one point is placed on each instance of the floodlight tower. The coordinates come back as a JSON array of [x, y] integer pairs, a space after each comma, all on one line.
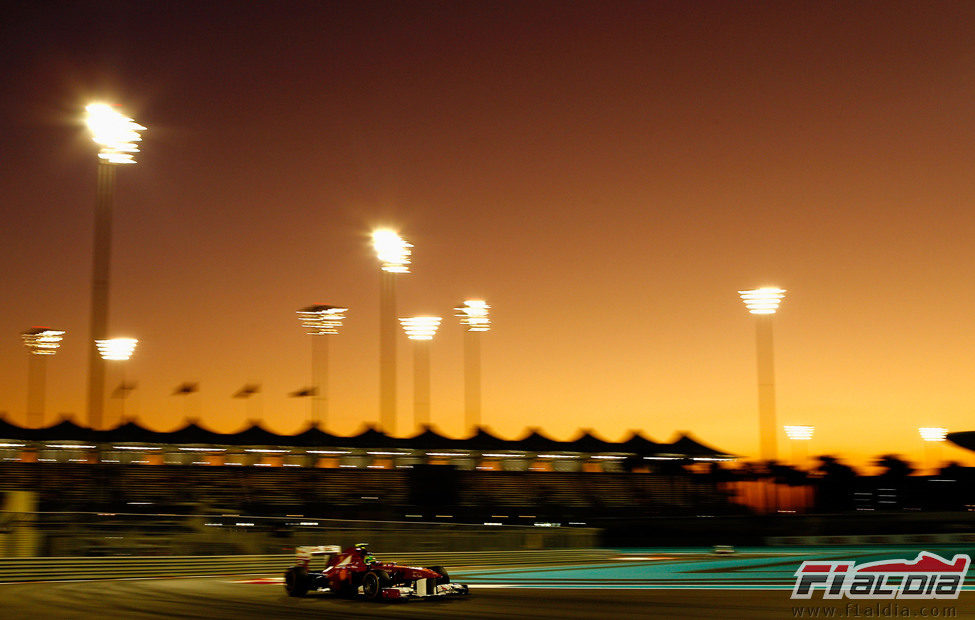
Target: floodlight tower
[[799, 435], [763, 303], [933, 437], [117, 350], [116, 135], [320, 320], [42, 343], [393, 253], [473, 315], [421, 329]]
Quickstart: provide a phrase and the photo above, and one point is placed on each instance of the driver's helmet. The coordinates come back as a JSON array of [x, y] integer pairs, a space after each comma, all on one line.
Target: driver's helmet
[[363, 550]]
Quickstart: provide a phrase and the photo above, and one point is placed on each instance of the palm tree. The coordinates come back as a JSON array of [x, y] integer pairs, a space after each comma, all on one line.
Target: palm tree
[[834, 489], [895, 468], [893, 481]]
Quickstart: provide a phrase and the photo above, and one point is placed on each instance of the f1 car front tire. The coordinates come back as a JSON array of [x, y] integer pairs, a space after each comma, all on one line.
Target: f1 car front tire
[[373, 583], [444, 577], [296, 581]]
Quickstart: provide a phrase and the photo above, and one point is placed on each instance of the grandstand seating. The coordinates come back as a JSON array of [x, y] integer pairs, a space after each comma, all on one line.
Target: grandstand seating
[[345, 492]]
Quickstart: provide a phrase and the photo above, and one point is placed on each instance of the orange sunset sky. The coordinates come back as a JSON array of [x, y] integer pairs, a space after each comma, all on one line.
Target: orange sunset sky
[[605, 174]]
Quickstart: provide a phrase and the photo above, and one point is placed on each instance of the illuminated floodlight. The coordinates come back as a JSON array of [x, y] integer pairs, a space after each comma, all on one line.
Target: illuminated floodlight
[[933, 433], [392, 250], [116, 349], [321, 319], [762, 300], [43, 341], [474, 314], [420, 327], [799, 432], [114, 132]]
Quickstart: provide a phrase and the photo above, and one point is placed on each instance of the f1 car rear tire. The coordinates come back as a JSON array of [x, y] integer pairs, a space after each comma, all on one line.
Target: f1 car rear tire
[[444, 577], [296, 581], [373, 583]]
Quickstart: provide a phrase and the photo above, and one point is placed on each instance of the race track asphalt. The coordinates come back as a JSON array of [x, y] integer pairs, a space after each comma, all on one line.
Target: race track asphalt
[[686, 586], [219, 599]]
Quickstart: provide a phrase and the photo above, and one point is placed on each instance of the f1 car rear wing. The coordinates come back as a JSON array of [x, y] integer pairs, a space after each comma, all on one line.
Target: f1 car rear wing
[[305, 552]]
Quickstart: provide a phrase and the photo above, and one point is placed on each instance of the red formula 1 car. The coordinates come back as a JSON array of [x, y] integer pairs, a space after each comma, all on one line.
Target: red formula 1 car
[[355, 571]]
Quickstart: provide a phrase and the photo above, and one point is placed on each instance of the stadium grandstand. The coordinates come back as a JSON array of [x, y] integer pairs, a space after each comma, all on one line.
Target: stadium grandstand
[[369, 475]]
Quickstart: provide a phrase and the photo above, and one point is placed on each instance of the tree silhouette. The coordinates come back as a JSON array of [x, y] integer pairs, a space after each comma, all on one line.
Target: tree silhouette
[[896, 469], [834, 489], [954, 471], [786, 474], [951, 489]]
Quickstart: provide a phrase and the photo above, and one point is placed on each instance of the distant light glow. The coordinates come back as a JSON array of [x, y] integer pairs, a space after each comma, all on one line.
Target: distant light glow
[[43, 341], [392, 250], [320, 319], [420, 327], [117, 349], [114, 132], [474, 314], [933, 433], [762, 300], [799, 432]]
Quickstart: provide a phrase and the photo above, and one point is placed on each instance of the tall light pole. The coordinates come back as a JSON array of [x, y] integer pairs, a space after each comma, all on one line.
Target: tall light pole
[[473, 315], [117, 136], [320, 320], [799, 435], [933, 437], [117, 350], [393, 253], [763, 303], [421, 329], [42, 342]]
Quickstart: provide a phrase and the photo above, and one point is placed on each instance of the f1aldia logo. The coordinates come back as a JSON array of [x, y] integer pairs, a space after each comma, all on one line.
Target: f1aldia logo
[[928, 576]]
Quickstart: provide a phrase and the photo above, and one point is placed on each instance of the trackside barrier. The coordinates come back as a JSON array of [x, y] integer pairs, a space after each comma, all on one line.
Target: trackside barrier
[[80, 534], [129, 567]]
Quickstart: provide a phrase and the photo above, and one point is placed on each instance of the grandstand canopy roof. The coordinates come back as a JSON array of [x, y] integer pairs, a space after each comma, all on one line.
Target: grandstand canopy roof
[[963, 439], [130, 432], [587, 442]]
